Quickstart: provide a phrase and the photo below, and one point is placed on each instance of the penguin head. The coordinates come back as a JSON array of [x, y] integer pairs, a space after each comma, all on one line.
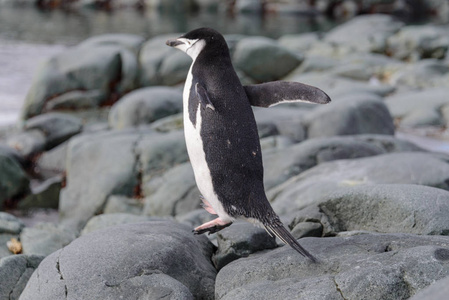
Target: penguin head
[[195, 41]]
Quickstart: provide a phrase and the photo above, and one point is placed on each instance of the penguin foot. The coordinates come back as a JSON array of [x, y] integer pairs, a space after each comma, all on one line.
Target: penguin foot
[[206, 205], [211, 226]]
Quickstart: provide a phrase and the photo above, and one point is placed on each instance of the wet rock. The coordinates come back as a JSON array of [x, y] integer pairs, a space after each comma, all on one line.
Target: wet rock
[[45, 238], [13, 179], [56, 127], [109, 220], [264, 59], [347, 117], [144, 106], [44, 194], [131, 41], [319, 182], [367, 33], [299, 42], [240, 240], [285, 163], [374, 266], [98, 265], [427, 73], [76, 100], [15, 271]]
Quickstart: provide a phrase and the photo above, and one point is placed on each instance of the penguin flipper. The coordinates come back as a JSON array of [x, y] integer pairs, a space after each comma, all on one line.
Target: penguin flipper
[[201, 93], [276, 92], [285, 236]]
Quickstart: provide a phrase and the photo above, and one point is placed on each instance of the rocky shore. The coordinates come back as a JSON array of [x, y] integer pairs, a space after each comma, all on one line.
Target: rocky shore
[[101, 141]]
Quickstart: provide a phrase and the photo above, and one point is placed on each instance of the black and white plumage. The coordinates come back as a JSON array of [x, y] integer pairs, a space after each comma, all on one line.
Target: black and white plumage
[[221, 134]]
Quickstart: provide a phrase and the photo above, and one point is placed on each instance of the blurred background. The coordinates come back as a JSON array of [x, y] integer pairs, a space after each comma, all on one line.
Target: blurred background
[[34, 30]]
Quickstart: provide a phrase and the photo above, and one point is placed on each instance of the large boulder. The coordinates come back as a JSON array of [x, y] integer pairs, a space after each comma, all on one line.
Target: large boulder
[[114, 163], [317, 183], [436, 291], [264, 59], [367, 33], [365, 266], [15, 271], [285, 163], [132, 261], [144, 106]]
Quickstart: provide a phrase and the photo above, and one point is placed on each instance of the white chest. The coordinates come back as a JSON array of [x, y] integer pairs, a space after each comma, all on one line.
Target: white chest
[[197, 155]]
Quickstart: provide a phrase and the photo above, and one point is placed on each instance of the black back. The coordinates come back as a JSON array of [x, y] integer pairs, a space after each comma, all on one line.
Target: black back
[[229, 134]]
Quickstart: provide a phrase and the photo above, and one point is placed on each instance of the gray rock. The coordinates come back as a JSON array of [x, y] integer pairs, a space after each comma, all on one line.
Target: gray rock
[[417, 42], [167, 124], [174, 68], [368, 266], [44, 194], [318, 183], [131, 41], [176, 193], [435, 291], [144, 106], [418, 108], [388, 208], [15, 271], [76, 100], [123, 204], [427, 73], [264, 59], [28, 143], [367, 33], [195, 218], [10, 224], [53, 161], [285, 163], [347, 117], [129, 157], [281, 120], [78, 68], [98, 265], [45, 238], [299, 42], [13, 179], [56, 127], [109, 220], [240, 240]]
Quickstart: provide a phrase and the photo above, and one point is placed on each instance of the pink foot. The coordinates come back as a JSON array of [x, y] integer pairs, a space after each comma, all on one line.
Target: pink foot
[[211, 226], [206, 205]]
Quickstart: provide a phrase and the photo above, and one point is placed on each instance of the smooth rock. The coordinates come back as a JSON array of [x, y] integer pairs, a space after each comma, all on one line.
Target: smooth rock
[[371, 266], [45, 238], [240, 240], [76, 100], [28, 143], [13, 179], [144, 106], [10, 224], [285, 163], [367, 33], [426, 73], [44, 194], [264, 59], [176, 193], [109, 220], [347, 117], [123, 204], [319, 182], [99, 265], [56, 127], [131, 41], [435, 291], [418, 42], [15, 271], [53, 161], [299, 42], [4, 239]]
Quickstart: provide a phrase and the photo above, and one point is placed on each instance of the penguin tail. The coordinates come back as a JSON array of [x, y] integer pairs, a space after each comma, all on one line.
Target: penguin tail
[[285, 236]]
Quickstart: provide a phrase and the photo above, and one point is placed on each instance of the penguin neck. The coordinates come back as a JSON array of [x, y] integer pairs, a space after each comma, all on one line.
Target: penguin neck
[[216, 56]]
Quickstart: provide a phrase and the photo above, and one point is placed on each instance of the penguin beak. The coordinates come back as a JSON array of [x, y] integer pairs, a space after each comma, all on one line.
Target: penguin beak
[[173, 43]]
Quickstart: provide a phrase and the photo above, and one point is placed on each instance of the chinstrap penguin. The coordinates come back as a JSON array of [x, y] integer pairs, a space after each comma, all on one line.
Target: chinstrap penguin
[[222, 138]]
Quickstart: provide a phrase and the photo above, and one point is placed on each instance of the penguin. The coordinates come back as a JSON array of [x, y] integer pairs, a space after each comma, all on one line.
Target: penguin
[[222, 138]]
